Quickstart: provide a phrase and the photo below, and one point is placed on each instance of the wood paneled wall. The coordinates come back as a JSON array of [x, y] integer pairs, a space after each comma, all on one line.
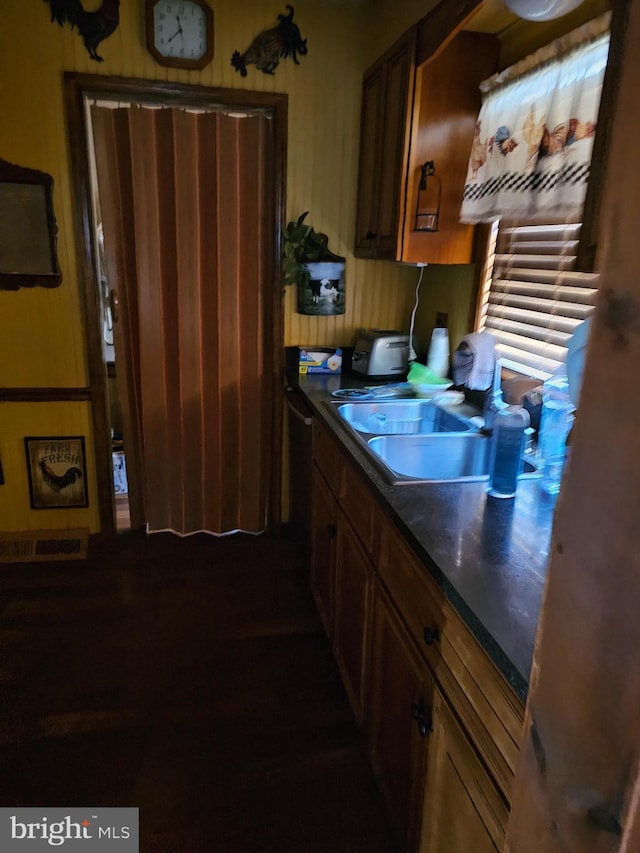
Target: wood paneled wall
[[577, 787]]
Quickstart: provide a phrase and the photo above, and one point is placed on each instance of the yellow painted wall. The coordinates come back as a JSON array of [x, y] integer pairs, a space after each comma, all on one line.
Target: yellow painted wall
[[447, 289], [39, 419], [41, 334]]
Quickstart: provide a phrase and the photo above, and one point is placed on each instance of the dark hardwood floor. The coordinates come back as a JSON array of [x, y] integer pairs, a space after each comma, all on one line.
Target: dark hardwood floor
[[191, 678]]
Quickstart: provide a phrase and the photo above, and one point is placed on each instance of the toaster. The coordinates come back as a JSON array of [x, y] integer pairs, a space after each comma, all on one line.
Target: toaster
[[380, 353]]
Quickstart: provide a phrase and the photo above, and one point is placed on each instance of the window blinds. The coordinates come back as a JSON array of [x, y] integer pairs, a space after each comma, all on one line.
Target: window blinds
[[533, 298]]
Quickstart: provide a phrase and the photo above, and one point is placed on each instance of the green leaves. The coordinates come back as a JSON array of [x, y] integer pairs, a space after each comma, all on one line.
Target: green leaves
[[300, 244]]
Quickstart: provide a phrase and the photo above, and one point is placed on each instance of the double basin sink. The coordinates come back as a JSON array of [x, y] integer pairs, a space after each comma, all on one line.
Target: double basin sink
[[417, 441]]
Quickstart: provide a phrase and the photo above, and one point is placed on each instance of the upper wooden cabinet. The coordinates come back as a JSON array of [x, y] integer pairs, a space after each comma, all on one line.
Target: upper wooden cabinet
[[446, 106], [420, 103], [387, 92]]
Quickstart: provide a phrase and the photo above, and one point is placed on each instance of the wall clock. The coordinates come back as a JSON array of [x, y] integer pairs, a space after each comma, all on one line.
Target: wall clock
[[180, 32]]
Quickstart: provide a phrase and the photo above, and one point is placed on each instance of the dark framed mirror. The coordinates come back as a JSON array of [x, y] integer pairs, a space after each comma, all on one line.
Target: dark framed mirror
[[28, 255]]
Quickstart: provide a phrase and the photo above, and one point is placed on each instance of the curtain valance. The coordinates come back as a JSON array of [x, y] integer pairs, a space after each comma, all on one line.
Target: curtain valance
[[531, 153]]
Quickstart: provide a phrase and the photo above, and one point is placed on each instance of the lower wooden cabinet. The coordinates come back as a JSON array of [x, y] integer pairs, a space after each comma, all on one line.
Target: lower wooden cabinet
[[399, 720], [353, 587], [463, 810], [342, 582], [442, 724], [440, 796], [324, 531]]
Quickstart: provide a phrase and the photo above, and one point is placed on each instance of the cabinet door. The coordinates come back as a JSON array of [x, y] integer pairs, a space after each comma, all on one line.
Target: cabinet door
[[463, 810], [400, 75], [372, 116], [353, 581], [446, 104], [384, 135], [400, 722], [328, 458], [324, 529]]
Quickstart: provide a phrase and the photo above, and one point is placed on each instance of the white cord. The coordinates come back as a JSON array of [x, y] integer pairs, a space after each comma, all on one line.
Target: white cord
[[412, 352]]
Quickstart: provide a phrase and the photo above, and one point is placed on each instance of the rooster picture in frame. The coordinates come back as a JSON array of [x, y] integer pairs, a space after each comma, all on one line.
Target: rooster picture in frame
[[93, 26], [56, 466]]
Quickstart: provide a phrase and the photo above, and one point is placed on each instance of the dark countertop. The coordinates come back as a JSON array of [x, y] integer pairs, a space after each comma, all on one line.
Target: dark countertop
[[488, 556]]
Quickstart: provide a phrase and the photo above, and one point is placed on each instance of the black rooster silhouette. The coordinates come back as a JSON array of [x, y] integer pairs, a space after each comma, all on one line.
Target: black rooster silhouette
[[269, 47], [94, 27], [58, 482]]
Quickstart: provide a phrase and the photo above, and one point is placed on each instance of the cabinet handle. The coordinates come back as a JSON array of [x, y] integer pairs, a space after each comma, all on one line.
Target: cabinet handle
[[332, 530], [431, 636], [424, 727], [423, 718], [370, 235], [295, 412]]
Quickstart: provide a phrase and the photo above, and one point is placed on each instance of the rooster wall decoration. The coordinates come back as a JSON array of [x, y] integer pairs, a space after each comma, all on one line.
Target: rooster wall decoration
[[270, 46], [94, 27], [56, 466], [57, 482]]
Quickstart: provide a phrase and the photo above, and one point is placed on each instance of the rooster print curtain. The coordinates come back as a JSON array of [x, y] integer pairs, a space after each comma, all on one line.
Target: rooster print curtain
[[531, 152], [185, 200]]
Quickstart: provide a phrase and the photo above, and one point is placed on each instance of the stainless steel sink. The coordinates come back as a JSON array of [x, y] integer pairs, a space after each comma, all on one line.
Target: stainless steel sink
[[435, 457], [401, 417], [439, 457], [416, 441]]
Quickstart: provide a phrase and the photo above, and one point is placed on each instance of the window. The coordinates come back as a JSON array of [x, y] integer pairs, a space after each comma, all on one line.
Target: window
[[528, 173], [532, 298]]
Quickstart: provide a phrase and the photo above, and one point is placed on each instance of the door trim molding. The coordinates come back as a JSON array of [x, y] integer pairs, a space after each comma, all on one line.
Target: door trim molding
[[76, 88]]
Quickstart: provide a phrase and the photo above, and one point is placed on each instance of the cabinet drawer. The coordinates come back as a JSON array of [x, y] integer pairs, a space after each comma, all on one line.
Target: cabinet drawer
[[328, 458], [484, 701]]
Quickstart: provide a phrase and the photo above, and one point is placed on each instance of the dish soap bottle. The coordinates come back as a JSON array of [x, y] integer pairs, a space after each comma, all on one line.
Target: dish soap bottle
[[494, 401], [507, 449], [555, 422]]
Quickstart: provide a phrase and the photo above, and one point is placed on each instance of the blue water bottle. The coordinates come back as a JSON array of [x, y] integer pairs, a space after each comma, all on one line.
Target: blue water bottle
[[555, 422], [507, 450]]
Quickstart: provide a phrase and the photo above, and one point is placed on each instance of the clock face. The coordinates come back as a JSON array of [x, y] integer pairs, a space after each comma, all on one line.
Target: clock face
[[182, 32]]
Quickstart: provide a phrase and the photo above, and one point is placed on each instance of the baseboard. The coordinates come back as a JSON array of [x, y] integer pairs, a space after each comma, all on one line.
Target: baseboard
[[29, 546]]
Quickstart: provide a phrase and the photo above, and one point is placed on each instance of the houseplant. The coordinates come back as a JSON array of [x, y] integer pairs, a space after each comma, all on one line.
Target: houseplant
[[301, 244]]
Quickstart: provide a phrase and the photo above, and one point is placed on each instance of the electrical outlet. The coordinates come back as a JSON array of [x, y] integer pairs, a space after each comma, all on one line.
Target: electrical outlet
[[442, 319]]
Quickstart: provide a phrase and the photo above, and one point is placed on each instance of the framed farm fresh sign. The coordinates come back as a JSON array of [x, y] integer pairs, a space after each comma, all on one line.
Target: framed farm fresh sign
[[56, 466]]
